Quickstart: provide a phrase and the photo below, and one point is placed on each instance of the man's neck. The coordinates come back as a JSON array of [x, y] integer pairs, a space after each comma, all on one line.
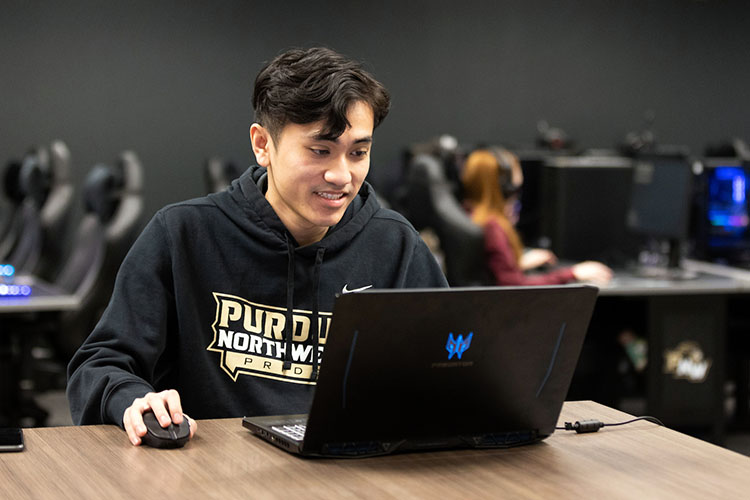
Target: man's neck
[[305, 238]]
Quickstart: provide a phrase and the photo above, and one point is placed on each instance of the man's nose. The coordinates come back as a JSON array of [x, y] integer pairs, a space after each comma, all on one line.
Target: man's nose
[[339, 172]]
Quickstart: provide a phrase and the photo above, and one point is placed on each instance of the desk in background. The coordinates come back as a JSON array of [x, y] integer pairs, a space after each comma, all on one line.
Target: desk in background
[[44, 297], [639, 460], [686, 326], [44, 300]]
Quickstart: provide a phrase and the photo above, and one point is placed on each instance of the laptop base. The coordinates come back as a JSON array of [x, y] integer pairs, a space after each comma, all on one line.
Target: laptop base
[[263, 428]]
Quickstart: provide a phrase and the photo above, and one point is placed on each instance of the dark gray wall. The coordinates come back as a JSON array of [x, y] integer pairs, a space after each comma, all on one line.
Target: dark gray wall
[[172, 80]]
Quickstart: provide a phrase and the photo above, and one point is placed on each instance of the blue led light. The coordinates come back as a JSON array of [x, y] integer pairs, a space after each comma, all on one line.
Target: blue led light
[[14, 290], [724, 173], [7, 270], [738, 189], [719, 220]]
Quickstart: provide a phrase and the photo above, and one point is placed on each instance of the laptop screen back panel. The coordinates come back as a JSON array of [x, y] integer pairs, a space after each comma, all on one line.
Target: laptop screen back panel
[[410, 365]]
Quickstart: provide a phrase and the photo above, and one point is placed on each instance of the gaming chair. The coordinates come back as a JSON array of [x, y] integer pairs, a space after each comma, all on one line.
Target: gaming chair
[[430, 202], [218, 174]]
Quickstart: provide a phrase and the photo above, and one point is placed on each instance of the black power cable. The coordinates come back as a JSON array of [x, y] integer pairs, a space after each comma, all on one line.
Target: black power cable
[[582, 426]]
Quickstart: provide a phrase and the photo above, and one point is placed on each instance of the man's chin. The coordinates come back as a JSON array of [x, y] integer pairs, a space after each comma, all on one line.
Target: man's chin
[[331, 217]]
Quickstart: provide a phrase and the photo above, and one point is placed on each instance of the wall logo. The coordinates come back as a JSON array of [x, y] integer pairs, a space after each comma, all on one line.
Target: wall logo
[[456, 347], [687, 362]]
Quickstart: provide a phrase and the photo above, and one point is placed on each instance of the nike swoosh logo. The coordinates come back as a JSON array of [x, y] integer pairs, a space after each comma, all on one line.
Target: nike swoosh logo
[[346, 290]]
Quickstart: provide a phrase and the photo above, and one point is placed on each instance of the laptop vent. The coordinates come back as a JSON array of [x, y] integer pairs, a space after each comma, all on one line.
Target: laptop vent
[[504, 439]]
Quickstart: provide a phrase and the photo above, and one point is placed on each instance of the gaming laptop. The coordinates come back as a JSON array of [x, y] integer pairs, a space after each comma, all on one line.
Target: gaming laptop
[[424, 369]]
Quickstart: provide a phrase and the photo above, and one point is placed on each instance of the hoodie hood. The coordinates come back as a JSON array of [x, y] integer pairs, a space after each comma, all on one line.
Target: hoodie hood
[[244, 202]]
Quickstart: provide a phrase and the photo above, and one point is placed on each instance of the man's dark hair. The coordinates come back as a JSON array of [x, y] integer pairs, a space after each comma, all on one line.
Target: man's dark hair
[[318, 84]]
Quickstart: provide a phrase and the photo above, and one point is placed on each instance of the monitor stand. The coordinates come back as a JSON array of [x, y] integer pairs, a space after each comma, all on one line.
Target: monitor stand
[[673, 271], [666, 273]]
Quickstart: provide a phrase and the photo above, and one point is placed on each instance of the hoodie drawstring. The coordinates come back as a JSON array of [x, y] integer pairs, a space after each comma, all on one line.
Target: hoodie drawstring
[[289, 327], [316, 313]]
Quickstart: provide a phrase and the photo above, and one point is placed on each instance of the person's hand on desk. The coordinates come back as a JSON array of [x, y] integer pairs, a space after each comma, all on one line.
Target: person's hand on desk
[[537, 257], [592, 272], [166, 407]]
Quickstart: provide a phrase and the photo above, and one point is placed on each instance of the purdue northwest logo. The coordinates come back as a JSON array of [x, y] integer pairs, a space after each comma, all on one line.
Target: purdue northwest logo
[[250, 338]]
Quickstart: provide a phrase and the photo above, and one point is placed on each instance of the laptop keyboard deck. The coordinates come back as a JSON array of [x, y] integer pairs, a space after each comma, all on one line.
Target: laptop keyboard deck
[[292, 431]]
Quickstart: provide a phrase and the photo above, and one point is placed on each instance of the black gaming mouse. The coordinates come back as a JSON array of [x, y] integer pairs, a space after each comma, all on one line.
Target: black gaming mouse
[[172, 436]]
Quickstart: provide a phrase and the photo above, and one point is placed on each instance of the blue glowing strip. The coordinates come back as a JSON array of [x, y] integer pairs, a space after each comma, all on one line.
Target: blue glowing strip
[[725, 172], [348, 365], [719, 220], [15, 290], [724, 220], [552, 361], [738, 189], [7, 270], [738, 220]]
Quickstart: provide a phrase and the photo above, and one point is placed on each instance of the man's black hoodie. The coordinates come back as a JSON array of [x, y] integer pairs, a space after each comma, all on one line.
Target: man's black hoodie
[[210, 295]]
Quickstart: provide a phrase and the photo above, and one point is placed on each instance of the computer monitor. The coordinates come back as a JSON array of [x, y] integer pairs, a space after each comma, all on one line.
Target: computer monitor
[[723, 226], [660, 206], [727, 203], [583, 206]]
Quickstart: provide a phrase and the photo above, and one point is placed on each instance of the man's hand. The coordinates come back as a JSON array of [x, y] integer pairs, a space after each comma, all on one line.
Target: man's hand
[[166, 407]]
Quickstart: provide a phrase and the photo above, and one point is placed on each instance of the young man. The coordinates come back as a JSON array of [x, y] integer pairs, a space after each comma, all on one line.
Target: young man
[[223, 304]]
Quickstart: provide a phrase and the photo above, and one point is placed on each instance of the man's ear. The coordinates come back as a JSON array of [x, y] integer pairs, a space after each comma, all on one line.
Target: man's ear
[[261, 141]]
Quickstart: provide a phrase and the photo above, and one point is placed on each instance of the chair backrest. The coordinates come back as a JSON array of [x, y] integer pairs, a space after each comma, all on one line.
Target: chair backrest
[[84, 264], [11, 224], [56, 212], [114, 208], [127, 221], [112, 197], [44, 182], [431, 203], [28, 247]]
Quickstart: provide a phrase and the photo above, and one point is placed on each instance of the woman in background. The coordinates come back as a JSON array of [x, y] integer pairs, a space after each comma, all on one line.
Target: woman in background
[[491, 182]]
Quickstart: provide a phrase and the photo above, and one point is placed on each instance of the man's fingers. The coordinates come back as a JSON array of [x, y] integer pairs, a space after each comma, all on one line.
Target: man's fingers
[[174, 406], [166, 407], [156, 403], [193, 425], [133, 423]]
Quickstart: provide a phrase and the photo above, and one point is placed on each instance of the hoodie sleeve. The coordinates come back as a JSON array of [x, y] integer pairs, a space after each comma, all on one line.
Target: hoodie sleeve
[[117, 361], [504, 266]]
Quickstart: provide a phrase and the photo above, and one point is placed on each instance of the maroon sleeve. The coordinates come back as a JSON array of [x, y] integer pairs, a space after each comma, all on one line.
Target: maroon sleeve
[[504, 266]]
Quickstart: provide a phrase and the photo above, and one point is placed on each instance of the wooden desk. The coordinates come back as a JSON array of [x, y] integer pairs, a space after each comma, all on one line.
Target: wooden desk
[[639, 460]]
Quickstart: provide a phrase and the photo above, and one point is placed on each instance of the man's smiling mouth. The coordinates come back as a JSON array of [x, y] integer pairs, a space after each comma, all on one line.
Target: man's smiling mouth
[[330, 196]]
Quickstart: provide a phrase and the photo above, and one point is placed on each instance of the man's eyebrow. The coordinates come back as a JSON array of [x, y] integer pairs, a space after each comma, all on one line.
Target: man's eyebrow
[[326, 137]]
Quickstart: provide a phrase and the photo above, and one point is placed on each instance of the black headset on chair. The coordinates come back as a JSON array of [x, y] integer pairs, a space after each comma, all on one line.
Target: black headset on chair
[[103, 188], [218, 174], [35, 177], [12, 182]]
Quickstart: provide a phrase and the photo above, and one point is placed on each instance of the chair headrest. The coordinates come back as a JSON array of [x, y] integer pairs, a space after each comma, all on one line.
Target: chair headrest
[[59, 156], [132, 172], [102, 190]]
